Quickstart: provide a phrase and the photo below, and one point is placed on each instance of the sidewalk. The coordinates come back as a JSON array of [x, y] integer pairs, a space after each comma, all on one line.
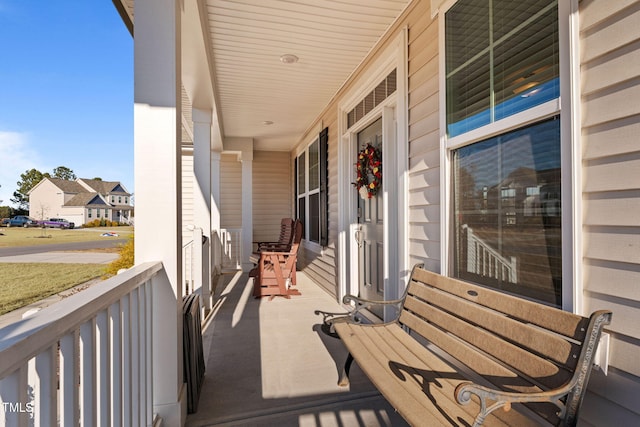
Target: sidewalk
[[63, 258]]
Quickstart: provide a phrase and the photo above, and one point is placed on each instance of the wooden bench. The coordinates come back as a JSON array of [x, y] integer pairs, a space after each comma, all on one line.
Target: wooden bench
[[457, 352]]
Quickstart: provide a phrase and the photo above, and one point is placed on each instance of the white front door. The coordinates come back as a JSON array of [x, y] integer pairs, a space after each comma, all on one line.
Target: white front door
[[370, 228]]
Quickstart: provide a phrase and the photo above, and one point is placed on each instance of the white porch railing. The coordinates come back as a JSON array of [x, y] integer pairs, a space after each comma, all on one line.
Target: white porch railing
[[84, 361], [196, 277], [231, 248], [188, 268], [485, 261]]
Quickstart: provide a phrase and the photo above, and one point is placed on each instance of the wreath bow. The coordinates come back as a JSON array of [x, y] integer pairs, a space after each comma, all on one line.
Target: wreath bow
[[369, 170]]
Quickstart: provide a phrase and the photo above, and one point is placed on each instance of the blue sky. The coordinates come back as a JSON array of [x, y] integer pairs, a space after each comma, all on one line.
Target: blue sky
[[66, 90]]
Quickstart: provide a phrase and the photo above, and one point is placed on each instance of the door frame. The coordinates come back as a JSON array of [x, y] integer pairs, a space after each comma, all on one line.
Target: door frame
[[394, 113]]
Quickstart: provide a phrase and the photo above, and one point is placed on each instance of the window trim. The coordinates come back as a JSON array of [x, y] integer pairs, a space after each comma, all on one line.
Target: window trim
[[316, 246], [568, 107]]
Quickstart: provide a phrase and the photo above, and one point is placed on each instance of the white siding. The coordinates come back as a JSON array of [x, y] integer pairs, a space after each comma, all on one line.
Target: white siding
[[272, 193], [424, 142], [230, 191], [610, 66], [46, 201]]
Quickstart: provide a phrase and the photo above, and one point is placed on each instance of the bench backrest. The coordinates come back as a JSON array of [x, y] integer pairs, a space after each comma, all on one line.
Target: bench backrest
[[518, 345], [286, 231]]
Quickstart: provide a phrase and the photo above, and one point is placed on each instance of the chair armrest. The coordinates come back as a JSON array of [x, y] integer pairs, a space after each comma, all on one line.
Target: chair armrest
[[277, 253]]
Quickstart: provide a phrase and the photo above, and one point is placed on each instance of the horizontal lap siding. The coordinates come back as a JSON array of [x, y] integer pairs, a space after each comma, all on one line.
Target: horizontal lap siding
[[424, 141], [610, 85], [272, 190]]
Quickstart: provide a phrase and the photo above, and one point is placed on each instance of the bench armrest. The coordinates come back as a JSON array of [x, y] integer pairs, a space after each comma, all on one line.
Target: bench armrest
[[362, 304], [504, 399], [574, 389]]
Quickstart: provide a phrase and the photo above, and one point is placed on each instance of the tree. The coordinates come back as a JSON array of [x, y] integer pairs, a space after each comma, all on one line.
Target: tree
[[28, 180], [63, 172]]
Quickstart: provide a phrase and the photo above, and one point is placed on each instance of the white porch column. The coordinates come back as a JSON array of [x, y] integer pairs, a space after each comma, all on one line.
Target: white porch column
[[202, 196], [244, 148], [247, 208], [158, 191], [215, 210]]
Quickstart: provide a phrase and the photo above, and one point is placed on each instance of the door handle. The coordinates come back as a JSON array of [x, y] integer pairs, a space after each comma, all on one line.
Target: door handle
[[358, 237]]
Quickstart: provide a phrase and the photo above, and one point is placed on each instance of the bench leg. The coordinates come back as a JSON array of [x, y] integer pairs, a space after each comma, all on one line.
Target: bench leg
[[343, 381]]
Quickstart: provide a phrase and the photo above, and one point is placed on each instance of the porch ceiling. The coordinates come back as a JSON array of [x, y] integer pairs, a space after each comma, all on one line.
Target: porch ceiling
[[247, 39]]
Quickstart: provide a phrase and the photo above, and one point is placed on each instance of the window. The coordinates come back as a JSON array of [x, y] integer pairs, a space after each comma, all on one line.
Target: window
[[89, 213], [98, 213], [311, 190], [113, 199], [501, 60], [506, 198], [119, 200]]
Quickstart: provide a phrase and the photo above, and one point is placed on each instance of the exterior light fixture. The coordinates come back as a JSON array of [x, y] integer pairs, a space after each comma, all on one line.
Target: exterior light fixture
[[267, 123]]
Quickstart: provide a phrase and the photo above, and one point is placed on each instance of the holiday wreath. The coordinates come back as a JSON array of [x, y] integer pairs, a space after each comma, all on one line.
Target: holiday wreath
[[368, 171]]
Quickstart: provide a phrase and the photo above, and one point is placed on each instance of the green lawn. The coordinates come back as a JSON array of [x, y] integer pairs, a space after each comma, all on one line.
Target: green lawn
[[24, 283], [16, 236]]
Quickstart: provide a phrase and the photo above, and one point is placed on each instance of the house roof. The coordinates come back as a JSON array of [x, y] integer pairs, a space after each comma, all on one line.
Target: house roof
[[87, 199], [245, 43], [104, 187], [67, 186]]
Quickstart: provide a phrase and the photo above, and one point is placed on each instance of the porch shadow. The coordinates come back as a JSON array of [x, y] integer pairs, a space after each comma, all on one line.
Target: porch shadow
[[269, 364]]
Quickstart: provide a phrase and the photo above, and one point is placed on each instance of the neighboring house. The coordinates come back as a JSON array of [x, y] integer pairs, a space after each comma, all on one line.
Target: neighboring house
[[80, 201]]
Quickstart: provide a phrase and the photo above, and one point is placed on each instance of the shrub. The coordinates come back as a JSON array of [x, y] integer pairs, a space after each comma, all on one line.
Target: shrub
[[102, 222], [125, 260]]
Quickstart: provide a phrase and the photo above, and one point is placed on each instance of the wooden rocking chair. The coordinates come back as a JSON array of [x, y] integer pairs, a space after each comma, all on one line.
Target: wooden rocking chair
[[275, 274], [287, 232]]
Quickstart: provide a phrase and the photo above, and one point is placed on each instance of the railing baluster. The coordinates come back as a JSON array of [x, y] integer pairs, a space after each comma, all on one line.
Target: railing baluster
[[87, 374], [13, 394], [69, 378], [125, 307], [135, 356], [115, 344], [148, 333], [103, 368], [45, 387]]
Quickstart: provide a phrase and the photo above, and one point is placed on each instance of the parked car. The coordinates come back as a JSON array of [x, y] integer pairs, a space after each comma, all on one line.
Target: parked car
[[4, 222], [56, 223], [22, 221]]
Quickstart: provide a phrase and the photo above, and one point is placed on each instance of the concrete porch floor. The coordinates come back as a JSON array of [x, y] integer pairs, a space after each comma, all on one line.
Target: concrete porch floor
[[269, 364]]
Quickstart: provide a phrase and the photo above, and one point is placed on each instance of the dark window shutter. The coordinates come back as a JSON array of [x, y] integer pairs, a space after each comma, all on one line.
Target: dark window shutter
[[324, 187]]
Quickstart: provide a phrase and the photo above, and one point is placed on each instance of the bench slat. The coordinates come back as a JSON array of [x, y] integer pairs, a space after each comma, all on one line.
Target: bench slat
[[526, 336], [549, 374], [561, 322]]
